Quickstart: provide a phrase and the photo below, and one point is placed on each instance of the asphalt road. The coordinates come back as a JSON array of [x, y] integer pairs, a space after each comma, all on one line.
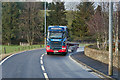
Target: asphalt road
[[37, 64]]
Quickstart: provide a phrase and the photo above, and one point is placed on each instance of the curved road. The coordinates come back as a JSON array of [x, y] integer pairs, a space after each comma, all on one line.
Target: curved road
[[37, 64]]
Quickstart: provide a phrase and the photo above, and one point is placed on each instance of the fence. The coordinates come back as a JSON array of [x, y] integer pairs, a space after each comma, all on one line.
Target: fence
[[12, 49]]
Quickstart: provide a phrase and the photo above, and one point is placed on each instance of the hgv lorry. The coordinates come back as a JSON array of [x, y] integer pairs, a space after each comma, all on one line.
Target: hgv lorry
[[57, 40]]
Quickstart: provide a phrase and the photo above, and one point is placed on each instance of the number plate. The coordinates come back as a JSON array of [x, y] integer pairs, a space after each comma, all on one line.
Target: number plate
[[55, 51]]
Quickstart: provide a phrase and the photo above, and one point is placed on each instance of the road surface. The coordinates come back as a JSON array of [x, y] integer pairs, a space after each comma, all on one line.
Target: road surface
[[37, 64]]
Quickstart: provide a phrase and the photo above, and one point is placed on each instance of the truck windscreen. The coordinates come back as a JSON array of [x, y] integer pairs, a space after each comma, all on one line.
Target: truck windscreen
[[55, 35]]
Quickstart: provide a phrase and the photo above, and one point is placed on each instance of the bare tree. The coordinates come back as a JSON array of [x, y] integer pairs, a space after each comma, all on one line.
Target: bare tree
[[98, 25], [31, 22], [105, 24], [117, 27]]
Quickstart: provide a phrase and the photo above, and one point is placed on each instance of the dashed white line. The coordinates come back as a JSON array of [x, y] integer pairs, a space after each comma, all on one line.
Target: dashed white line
[[43, 68], [41, 57], [46, 77], [41, 62]]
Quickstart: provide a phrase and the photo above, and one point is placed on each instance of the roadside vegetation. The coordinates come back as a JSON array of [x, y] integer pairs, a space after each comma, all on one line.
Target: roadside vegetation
[[16, 48], [87, 22]]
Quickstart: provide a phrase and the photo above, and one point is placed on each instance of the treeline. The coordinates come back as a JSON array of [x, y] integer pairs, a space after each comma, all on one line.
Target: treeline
[[24, 22], [93, 23]]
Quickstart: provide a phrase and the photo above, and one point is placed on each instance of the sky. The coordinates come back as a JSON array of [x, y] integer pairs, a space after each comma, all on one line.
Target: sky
[[61, 0], [83, 0], [68, 3]]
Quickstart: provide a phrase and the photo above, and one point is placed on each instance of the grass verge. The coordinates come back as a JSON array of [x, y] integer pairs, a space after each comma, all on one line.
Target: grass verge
[[16, 48], [12, 49]]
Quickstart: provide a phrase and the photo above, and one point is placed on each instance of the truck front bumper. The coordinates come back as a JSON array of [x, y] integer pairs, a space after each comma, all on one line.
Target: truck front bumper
[[50, 50]]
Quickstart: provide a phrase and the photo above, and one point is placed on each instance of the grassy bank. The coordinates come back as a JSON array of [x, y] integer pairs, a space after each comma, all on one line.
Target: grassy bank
[[16, 48]]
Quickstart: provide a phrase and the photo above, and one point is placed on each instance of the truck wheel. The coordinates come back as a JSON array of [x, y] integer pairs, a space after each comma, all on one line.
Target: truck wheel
[[64, 54], [48, 53], [72, 50]]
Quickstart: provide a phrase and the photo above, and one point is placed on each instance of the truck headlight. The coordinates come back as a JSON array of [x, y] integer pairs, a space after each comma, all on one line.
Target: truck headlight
[[64, 47], [48, 47]]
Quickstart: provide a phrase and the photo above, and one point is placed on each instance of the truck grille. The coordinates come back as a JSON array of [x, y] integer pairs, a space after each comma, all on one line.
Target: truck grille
[[56, 45]]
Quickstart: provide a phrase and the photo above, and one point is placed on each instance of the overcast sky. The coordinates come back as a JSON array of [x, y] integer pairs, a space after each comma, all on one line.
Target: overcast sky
[[63, 0], [69, 4]]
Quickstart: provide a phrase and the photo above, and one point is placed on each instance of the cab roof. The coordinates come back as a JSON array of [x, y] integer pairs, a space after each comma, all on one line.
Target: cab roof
[[58, 26]]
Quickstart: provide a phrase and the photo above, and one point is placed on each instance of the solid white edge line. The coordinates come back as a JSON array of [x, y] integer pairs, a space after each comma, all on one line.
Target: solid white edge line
[[76, 62], [6, 59], [12, 55], [84, 67], [9, 57], [46, 76], [97, 74]]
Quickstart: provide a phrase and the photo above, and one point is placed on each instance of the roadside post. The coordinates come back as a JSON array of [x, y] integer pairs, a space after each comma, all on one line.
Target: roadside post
[[110, 69], [45, 22], [19, 49], [4, 50]]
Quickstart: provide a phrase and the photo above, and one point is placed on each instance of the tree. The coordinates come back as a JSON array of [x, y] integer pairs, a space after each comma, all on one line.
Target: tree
[[31, 22], [10, 14], [0, 23], [57, 14], [79, 27], [95, 25], [98, 26], [117, 27]]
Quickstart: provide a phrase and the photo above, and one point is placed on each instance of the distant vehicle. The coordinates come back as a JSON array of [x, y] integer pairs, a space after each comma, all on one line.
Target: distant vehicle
[[57, 40], [73, 46]]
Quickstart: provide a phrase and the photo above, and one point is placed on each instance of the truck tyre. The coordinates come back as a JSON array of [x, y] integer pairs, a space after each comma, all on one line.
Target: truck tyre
[[72, 50], [48, 53], [64, 54]]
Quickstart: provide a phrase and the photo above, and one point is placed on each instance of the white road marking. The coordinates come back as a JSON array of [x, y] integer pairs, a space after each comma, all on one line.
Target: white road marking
[[42, 67], [84, 67], [42, 55], [97, 75], [10, 57], [76, 62], [6, 59], [41, 58], [46, 76], [41, 62]]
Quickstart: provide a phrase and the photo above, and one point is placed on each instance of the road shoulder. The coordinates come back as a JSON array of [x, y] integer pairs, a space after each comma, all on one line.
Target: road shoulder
[[92, 64]]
